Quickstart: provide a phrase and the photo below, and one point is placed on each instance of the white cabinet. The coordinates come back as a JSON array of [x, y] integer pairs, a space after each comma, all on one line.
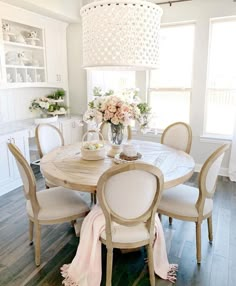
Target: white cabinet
[[9, 175], [32, 49], [23, 46], [71, 130], [55, 39]]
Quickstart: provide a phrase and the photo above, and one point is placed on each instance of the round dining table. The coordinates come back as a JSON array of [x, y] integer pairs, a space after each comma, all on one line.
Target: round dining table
[[64, 166]]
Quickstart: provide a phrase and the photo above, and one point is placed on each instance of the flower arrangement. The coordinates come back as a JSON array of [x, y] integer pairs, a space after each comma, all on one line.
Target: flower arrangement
[[118, 109], [41, 103], [48, 104]]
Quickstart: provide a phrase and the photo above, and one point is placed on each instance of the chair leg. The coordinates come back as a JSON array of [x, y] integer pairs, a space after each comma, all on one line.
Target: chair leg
[[198, 241], [93, 199], [31, 231], [210, 233], [72, 223], [37, 243], [170, 220], [109, 266], [150, 264]]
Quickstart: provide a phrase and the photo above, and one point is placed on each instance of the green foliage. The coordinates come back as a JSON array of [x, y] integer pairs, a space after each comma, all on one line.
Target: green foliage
[[58, 94], [144, 108], [97, 91], [109, 92], [55, 107], [91, 104]]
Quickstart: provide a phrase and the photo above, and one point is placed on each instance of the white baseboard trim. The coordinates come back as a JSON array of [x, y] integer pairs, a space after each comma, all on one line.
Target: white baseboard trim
[[8, 187], [223, 171]]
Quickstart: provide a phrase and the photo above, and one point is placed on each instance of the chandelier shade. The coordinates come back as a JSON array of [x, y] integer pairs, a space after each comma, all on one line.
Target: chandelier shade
[[122, 34]]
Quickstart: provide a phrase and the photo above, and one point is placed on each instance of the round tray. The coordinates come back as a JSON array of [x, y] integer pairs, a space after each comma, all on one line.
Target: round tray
[[118, 160]]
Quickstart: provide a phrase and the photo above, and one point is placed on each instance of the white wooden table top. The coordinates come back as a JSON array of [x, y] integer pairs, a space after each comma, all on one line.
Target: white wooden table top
[[65, 167]]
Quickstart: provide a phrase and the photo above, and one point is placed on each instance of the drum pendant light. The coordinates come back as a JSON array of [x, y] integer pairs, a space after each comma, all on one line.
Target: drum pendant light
[[122, 34]]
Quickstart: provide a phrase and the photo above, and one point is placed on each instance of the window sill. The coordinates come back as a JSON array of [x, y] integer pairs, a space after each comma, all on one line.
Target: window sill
[[215, 138], [151, 133]]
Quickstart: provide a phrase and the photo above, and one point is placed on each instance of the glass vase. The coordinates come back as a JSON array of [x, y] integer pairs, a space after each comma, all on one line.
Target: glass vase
[[116, 134]]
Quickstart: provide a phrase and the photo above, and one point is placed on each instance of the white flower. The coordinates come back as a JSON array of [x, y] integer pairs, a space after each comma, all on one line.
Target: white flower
[[42, 104]]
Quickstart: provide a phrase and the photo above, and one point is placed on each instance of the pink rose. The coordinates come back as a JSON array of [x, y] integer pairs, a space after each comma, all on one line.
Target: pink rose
[[108, 115], [124, 108], [115, 120], [119, 115], [111, 108]]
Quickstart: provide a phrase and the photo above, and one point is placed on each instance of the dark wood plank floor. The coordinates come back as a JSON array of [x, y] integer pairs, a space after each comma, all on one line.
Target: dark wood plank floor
[[59, 245]]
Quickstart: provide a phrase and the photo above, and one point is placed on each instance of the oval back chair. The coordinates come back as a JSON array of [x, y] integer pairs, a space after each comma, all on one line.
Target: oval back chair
[[195, 204], [129, 195], [51, 206], [178, 135], [48, 137]]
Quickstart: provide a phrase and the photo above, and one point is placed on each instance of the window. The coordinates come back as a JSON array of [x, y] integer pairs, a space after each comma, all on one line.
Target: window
[[170, 85], [107, 80], [221, 86]]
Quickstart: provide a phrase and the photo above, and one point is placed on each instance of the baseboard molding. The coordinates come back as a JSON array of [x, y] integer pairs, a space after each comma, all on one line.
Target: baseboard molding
[[223, 171], [8, 187]]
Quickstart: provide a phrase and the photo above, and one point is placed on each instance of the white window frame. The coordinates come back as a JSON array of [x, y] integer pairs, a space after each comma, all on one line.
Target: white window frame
[[174, 89], [206, 134]]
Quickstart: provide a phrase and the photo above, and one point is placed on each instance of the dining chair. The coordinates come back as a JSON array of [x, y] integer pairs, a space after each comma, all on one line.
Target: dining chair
[[48, 137], [50, 206], [195, 204], [129, 195], [104, 129], [178, 135]]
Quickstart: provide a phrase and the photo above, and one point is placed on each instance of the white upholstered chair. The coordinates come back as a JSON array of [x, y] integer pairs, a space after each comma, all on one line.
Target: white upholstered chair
[[178, 135], [48, 137], [104, 130], [51, 206], [129, 195], [195, 204]]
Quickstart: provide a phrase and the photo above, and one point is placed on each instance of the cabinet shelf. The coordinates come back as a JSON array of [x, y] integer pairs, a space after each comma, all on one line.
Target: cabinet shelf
[[15, 44], [24, 67], [24, 53]]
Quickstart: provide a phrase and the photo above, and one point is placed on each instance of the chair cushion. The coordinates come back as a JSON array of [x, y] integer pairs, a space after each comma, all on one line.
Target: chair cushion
[[128, 234], [181, 200], [58, 203]]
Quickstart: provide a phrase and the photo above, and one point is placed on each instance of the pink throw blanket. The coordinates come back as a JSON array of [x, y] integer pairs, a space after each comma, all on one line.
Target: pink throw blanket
[[85, 269]]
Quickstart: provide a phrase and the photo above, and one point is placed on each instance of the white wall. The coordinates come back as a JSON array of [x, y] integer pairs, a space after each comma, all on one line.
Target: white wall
[[76, 75], [14, 103], [60, 9]]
